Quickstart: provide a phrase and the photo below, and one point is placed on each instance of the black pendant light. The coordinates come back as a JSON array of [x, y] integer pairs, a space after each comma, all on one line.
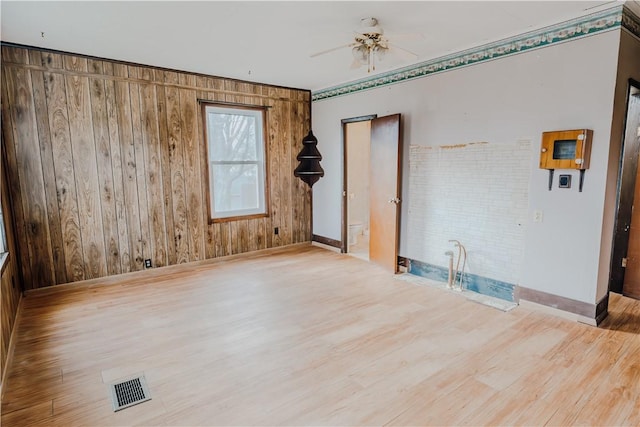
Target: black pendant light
[[309, 169]]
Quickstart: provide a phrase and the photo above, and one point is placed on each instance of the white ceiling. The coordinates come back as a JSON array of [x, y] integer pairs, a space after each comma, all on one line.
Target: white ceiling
[[271, 42]]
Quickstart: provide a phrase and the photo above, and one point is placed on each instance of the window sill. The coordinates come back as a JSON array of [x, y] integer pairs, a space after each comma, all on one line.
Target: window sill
[[237, 218]]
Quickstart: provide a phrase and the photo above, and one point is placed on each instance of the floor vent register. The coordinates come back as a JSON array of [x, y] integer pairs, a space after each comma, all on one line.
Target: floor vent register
[[127, 393]]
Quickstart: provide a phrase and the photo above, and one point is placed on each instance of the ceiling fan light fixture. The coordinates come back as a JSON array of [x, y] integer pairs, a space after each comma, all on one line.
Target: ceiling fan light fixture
[[370, 26], [361, 53], [368, 45], [380, 51]]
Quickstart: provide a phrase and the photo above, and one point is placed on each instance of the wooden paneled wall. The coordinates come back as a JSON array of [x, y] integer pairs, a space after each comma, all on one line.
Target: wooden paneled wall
[[9, 299], [10, 289], [108, 166]]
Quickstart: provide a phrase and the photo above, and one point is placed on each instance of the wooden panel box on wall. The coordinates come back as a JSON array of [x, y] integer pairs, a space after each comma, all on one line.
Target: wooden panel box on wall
[[107, 165]]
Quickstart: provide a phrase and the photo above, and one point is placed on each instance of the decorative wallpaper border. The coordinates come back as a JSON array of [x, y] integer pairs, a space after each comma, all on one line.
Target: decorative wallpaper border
[[631, 22], [607, 20]]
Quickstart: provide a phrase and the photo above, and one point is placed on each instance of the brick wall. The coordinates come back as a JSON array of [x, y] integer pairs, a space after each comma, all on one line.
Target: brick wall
[[476, 193]]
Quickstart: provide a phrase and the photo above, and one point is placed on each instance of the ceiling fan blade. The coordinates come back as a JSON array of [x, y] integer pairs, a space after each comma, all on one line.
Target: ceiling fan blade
[[331, 50], [406, 37], [405, 52]]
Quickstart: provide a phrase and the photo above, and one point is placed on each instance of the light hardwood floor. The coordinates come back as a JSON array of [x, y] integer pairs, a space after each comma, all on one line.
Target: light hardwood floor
[[305, 336]]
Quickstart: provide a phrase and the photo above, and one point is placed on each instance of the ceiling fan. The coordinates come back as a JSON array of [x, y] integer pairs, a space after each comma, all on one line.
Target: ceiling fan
[[368, 46]]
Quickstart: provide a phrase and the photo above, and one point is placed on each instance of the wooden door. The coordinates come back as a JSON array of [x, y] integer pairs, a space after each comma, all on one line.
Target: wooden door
[[631, 284], [384, 202]]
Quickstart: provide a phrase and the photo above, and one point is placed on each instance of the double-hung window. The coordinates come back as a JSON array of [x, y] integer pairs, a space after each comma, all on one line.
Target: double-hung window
[[237, 161]]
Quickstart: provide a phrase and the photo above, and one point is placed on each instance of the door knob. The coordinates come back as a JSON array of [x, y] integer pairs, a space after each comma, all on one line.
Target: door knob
[[394, 200]]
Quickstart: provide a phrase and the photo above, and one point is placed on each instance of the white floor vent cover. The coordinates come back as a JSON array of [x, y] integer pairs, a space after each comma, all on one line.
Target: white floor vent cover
[[129, 392]]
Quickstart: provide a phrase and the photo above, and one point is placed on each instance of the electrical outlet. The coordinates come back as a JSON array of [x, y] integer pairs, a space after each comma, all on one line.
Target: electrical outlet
[[537, 216], [276, 231], [147, 263]]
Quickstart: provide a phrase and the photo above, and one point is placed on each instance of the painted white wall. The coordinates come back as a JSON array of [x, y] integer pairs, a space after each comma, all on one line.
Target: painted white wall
[[563, 86], [628, 67]]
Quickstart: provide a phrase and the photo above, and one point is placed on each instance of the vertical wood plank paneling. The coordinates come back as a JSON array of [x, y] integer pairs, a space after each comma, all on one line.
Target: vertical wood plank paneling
[[139, 162], [307, 191], [129, 172], [152, 153], [252, 237], [49, 179], [146, 74], [209, 229], [234, 237], [13, 214], [105, 171], [286, 171], [165, 164], [94, 66], [27, 152], [15, 55], [176, 160], [118, 160], [35, 58], [55, 89], [261, 231], [51, 60], [270, 221], [215, 236], [124, 250], [10, 295], [243, 235], [107, 68], [191, 141], [10, 288], [216, 233], [297, 207], [85, 168], [305, 225], [74, 63], [13, 170], [226, 236], [273, 119], [258, 226]]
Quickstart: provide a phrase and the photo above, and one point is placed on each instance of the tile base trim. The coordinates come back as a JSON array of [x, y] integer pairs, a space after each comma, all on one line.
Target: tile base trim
[[472, 282]]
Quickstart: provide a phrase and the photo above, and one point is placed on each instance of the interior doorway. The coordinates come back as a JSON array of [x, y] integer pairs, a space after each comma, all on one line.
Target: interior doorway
[[371, 189], [625, 259], [357, 140]]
